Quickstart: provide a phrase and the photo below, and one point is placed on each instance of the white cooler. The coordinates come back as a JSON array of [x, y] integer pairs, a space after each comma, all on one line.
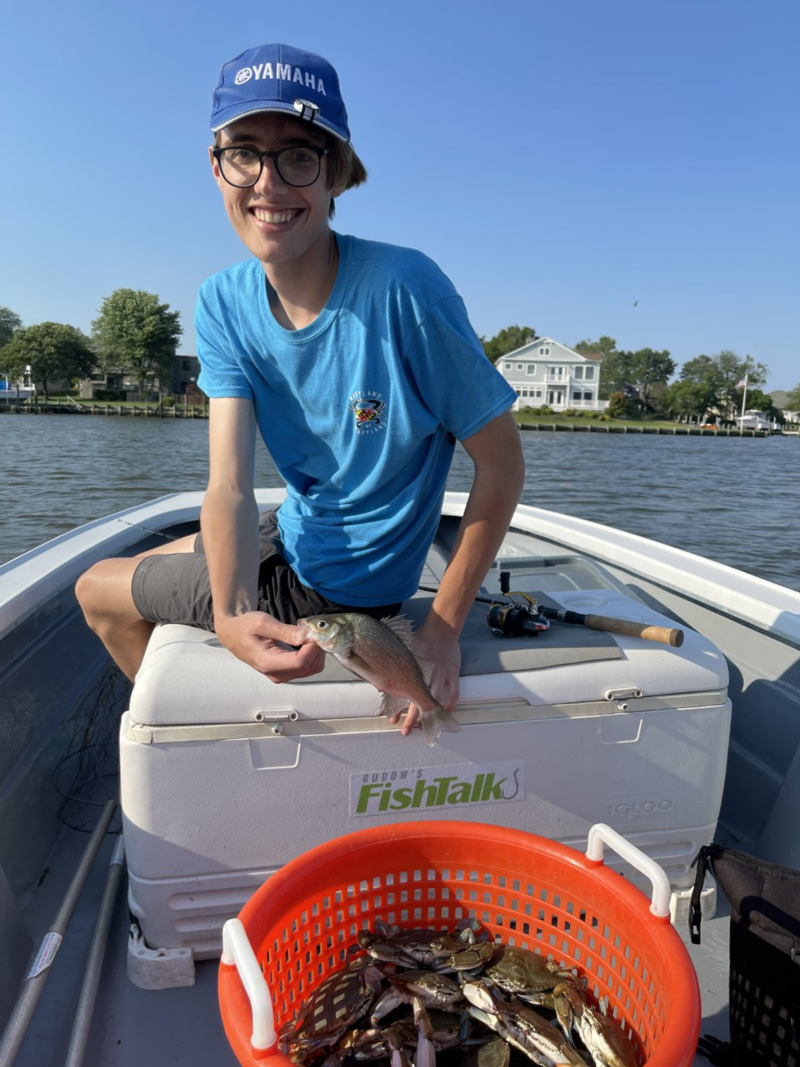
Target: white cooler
[[226, 776]]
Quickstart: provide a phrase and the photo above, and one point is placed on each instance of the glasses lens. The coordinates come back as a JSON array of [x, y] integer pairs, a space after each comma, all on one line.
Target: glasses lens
[[298, 166], [240, 166]]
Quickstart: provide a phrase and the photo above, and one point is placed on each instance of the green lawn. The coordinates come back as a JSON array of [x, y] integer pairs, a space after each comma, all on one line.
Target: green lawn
[[521, 417], [61, 398], [577, 420]]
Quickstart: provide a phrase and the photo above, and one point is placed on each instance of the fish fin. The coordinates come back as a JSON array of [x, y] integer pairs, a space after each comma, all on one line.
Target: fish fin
[[436, 721], [392, 705], [357, 665], [401, 627]]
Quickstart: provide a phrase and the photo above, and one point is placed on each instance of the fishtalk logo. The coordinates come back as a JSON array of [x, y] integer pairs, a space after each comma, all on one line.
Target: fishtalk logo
[[422, 788]]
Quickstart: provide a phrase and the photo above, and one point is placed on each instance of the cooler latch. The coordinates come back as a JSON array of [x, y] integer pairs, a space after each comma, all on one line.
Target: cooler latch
[[623, 695]]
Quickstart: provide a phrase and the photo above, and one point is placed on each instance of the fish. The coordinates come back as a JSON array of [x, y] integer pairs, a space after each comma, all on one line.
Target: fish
[[378, 651]]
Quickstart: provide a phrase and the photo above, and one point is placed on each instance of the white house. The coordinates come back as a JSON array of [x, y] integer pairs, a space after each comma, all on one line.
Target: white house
[[545, 372]]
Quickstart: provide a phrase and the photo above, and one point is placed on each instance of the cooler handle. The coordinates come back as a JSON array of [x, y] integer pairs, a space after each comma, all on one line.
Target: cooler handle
[[600, 833], [238, 952]]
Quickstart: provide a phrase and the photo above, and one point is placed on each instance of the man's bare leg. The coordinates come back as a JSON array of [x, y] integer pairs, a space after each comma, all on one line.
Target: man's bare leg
[[104, 594]]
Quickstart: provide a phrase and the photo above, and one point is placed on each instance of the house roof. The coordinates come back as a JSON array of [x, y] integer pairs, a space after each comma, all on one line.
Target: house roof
[[526, 348]]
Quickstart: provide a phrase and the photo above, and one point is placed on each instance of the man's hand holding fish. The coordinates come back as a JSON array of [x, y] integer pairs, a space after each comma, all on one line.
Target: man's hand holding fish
[[437, 646], [496, 488]]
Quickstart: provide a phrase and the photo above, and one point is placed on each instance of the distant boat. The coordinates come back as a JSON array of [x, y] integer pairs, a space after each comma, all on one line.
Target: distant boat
[[754, 420], [11, 394]]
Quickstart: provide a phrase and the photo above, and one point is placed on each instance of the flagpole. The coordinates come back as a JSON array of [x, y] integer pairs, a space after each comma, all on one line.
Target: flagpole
[[744, 400]]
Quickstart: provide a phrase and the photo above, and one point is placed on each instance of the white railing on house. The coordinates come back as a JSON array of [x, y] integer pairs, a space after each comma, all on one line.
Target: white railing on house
[[587, 405], [564, 405]]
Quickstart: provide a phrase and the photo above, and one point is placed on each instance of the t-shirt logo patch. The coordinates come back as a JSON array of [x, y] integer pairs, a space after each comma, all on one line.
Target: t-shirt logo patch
[[368, 410]]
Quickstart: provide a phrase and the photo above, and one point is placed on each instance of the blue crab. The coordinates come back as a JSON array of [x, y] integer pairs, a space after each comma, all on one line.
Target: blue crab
[[521, 1026], [607, 1042], [526, 974], [435, 990], [414, 948], [335, 1004]]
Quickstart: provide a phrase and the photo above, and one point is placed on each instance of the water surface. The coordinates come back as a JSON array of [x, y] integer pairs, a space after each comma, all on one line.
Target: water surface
[[736, 500]]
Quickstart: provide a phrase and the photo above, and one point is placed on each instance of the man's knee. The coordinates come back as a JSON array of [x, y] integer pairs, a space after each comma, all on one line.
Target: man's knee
[[87, 588], [104, 590]]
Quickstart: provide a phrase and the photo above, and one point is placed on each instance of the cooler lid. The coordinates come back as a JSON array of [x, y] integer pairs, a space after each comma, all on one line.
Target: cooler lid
[[188, 678]]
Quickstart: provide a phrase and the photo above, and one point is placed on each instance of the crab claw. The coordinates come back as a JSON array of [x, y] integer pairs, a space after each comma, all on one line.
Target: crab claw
[[426, 1053]]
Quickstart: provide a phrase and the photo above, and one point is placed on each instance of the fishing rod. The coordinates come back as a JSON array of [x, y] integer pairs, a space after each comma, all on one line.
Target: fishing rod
[[662, 634], [513, 619], [154, 533]]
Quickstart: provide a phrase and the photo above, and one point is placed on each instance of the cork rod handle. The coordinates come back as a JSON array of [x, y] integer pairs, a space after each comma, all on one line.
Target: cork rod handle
[[662, 634]]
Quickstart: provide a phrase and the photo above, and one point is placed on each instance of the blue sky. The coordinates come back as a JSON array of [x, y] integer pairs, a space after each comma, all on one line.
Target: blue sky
[[559, 160]]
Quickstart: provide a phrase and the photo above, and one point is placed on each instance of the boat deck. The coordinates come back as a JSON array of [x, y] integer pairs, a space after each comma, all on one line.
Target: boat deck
[[183, 1027], [131, 1026]]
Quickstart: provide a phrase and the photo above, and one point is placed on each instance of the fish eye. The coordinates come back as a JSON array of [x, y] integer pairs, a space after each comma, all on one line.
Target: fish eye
[[322, 625]]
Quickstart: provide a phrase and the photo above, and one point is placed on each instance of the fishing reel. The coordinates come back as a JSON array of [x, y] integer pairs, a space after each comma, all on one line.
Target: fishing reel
[[514, 619]]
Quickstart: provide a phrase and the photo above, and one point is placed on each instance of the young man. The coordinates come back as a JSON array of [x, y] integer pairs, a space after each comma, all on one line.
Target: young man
[[358, 365]]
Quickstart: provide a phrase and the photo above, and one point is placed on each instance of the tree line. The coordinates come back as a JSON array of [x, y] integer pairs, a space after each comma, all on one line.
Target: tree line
[[133, 334], [639, 382]]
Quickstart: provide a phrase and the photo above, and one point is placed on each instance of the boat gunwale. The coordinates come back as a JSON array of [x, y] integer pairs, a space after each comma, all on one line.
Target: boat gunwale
[[30, 579]]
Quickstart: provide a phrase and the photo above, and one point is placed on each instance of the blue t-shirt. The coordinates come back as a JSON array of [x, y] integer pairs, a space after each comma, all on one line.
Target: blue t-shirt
[[359, 410]]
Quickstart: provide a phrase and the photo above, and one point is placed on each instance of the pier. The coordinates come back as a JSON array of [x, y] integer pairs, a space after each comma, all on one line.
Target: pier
[[668, 431], [61, 406], [68, 406]]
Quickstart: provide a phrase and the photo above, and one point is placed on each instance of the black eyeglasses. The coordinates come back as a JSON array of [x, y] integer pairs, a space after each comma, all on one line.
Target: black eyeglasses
[[298, 165]]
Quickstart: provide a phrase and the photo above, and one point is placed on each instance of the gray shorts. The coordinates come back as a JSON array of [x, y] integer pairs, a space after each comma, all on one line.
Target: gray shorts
[[176, 588]]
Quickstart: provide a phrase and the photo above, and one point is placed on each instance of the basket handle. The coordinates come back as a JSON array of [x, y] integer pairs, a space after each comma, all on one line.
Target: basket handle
[[601, 833], [238, 952]]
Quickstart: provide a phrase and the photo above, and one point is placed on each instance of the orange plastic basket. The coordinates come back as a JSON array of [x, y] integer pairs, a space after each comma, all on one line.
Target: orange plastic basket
[[525, 889]]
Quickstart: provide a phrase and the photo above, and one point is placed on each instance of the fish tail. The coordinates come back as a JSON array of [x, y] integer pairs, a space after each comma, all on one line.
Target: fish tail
[[435, 721]]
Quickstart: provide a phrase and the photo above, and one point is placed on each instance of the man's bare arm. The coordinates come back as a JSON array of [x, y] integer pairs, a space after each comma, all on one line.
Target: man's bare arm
[[499, 476], [229, 521]]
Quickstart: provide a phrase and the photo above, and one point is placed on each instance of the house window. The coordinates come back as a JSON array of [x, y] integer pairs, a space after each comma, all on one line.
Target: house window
[[506, 366], [556, 372], [577, 372], [531, 368], [589, 375], [520, 366], [537, 393]]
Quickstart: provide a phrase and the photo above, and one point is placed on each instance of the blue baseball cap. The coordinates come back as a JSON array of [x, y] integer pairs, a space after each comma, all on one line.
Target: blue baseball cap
[[277, 77]]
